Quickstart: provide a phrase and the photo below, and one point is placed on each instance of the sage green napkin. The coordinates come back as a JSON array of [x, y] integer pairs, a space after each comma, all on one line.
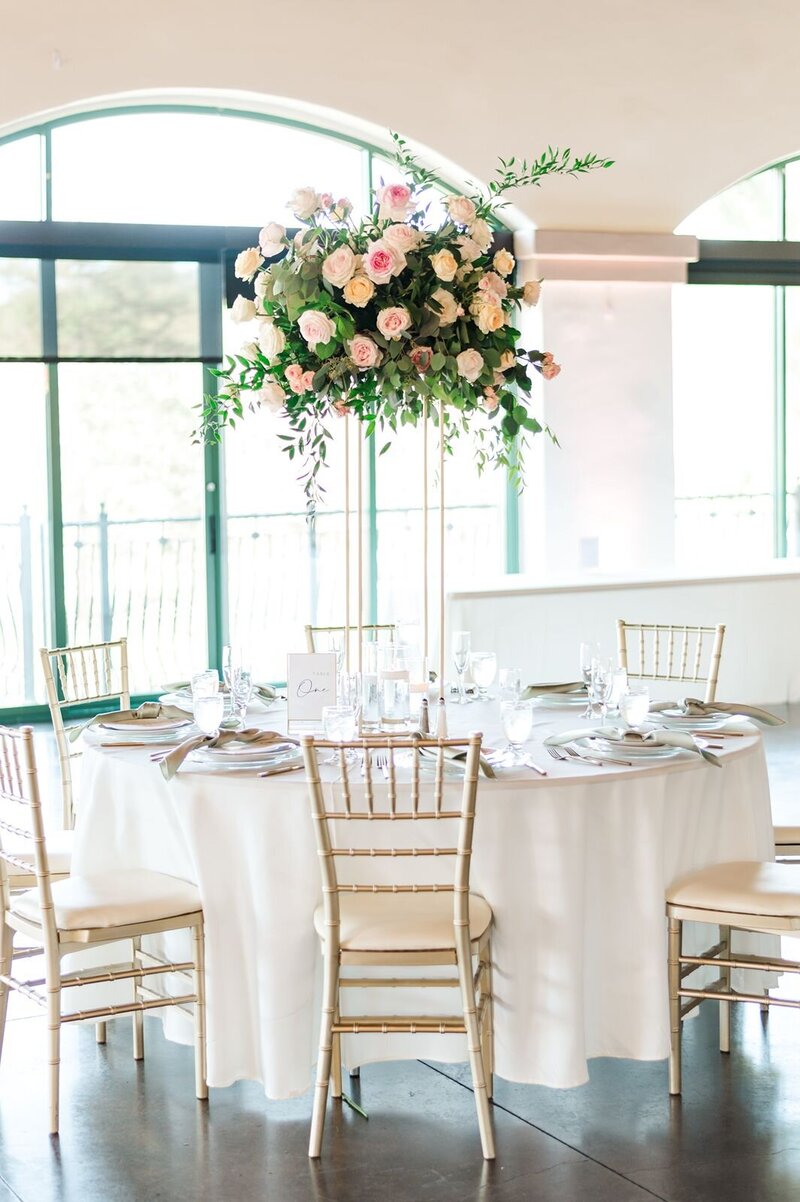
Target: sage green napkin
[[706, 709], [148, 709], [171, 760], [675, 738], [540, 690], [264, 692], [455, 756]]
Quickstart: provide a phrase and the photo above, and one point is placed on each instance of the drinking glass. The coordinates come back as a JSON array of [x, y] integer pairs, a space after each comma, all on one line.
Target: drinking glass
[[208, 711], [461, 643], [339, 725], [205, 683], [483, 665], [601, 684], [517, 718], [588, 652], [634, 705], [510, 681], [241, 687]]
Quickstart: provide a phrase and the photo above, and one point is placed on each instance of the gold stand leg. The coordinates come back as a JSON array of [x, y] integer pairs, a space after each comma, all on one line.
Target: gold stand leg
[[674, 940], [725, 1007]]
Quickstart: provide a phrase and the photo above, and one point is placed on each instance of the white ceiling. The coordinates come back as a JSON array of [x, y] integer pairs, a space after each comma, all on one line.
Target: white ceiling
[[687, 96]]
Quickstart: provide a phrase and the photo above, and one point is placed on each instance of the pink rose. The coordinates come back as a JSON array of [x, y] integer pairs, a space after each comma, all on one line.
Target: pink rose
[[339, 266], [342, 209], [382, 261], [403, 237], [316, 327], [548, 366], [469, 364], [490, 400], [364, 352], [307, 380], [394, 321], [340, 408], [492, 284], [421, 357], [326, 200], [294, 376], [395, 202]]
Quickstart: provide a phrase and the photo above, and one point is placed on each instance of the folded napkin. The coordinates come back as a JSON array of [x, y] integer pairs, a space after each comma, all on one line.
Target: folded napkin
[[456, 756], [148, 709], [537, 690], [706, 709], [264, 692], [171, 761], [675, 738]]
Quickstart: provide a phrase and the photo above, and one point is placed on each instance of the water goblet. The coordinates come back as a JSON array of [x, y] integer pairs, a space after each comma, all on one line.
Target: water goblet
[[517, 718], [461, 646], [601, 684], [241, 687], [510, 682], [634, 706], [208, 711], [483, 665], [588, 652]]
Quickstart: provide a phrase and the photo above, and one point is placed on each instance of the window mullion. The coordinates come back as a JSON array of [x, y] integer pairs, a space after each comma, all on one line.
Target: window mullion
[[211, 283], [55, 515], [779, 503]]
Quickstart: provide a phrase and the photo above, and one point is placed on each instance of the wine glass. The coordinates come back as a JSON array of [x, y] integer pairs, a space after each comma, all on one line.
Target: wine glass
[[517, 718], [208, 711], [510, 682], [241, 687], [461, 646], [600, 684], [588, 652], [483, 665]]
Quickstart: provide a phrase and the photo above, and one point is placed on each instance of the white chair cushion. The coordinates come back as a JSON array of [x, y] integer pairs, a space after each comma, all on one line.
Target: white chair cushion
[[743, 887], [112, 900], [787, 834], [59, 852], [402, 922]]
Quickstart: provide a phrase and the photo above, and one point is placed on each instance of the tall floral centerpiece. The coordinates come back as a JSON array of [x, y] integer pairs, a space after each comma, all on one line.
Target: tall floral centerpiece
[[391, 320]]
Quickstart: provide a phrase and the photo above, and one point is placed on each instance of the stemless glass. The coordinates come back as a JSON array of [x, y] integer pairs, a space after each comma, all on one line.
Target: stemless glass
[[339, 724], [510, 682], [461, 643], [517, 718], [483, 665], [634, 705], [208, 711], [601, 684]]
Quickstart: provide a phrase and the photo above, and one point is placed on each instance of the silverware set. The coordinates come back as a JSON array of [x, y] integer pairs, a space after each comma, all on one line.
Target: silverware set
[[568, 752]]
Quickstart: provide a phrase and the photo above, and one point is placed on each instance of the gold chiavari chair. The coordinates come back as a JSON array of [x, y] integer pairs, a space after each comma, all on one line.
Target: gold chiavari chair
[[372, 924], [331, 638], [79, 676], [60, 918], [746, 896], [688, 654]]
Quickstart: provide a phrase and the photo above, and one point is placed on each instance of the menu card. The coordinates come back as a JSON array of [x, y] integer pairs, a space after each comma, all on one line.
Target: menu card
[[311, 685]]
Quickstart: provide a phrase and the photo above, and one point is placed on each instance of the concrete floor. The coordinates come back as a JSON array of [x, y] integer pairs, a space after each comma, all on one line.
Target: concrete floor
[[134, 1132]]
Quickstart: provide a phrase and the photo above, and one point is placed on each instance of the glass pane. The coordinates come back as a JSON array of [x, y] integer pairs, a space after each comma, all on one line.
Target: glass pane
[[134, 548], [127, 309], [193, 169], [723, 414], [751, 209], [21, 179], [24, 540], [20, 308], [793, 421]]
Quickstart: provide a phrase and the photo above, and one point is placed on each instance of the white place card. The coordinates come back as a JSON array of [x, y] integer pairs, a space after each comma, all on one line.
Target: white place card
[[311, 685]]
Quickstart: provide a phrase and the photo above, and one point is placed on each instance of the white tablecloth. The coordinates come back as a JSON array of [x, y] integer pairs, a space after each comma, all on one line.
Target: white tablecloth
[[574, 866]]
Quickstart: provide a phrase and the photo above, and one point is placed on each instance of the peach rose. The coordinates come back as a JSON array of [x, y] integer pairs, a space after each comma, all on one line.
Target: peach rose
[[444, 264], [307, 381], [504, 262], [507, 360], [450, 309], [394, 202], [469, 365], [316, 327], [490, 400], [364, 352], [247, 263], [359, 291], [272, 239], [531, 292], [339, 266], [493, 285], [243, 309], [393, 322], [548, 366], [481, 233], [487, 315], [461, 209], [340, 408]]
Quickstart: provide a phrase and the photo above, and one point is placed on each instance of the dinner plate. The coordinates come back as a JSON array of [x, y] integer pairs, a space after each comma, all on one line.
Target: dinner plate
[[680, 721], [625, 749], [557, 700], [245, 753], [211, 763], [146, 725]]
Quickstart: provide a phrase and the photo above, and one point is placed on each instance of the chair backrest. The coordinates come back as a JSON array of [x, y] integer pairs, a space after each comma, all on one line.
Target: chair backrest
[[21, 820], [690, 654], [74, 676], [331, 638], [399, 808]]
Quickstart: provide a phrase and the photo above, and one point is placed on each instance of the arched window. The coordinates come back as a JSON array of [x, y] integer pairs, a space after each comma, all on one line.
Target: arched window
[[736, 366], [115, 230]]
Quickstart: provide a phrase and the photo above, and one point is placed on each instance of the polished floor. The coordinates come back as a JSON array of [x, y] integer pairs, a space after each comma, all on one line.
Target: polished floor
[[134, 1132]]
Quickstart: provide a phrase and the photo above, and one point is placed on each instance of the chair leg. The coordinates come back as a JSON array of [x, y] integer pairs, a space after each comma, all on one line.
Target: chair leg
[[674, 940], [100, 1033], [464, 955], [138, 1015], [336, 1066], [487, 1032], [329, 1009], [200, 1065], [765, 1005], [54, 1049], [725, 1007], [6, 957]]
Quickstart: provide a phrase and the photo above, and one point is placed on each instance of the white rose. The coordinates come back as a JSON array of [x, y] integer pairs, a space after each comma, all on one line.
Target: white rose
[[461, 209], [339, 266], [261, 283], [243, 309], [316, 327], [272, 239], [503, 262], [531, 292], [270, 396], [480, 232], [304, 203], [449, 306], [271, 339], [249, 350], [402, 237], [469, 365], [468, 248], [247, 263]]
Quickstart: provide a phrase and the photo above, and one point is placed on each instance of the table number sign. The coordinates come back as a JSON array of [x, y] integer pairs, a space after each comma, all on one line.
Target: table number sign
[[311, 685]]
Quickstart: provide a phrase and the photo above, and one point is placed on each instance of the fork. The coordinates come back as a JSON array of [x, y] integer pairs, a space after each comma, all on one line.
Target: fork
[[382, 762]]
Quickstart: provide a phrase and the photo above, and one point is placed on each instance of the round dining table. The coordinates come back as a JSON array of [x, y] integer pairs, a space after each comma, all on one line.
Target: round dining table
[[574, 864]]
